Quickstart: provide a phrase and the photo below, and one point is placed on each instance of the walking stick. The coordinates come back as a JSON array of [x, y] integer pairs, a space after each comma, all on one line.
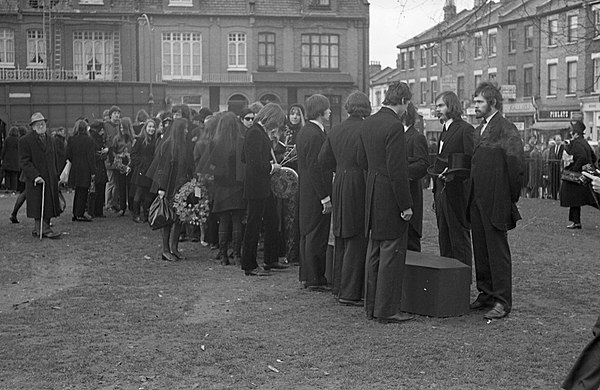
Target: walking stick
[[42, 215]]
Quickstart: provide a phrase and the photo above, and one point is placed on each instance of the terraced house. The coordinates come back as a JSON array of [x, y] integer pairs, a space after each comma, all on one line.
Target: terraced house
[[72, 58]]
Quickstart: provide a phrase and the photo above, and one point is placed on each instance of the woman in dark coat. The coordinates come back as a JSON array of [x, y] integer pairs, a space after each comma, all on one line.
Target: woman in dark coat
[[10, 158], [97, 193], [120, 150], [142, 154], [573, 195], [81, 152], [171, 168], [228, 189], [339, 153]]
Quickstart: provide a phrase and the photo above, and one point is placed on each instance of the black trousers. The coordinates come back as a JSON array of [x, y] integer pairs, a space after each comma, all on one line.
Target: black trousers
[[313, 253], [493, 264], [349, 267], [454, 238], [575, 214], [80, 201], [96, 200], [261, 212]]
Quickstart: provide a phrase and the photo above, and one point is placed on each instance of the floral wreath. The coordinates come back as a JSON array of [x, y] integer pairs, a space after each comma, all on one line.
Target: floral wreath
[[121, 163], [189, 207]]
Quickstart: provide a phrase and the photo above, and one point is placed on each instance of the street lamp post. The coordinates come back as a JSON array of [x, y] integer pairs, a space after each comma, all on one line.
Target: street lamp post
[[145, 20]]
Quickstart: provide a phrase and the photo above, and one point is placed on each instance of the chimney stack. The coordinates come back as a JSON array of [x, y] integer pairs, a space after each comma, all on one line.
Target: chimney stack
[[450, 10]]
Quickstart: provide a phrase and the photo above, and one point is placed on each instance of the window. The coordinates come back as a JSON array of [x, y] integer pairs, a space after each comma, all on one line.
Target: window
[[180, 3], [423, 92], [552, 79], [91, 2], [236, 51], [527, 82], [266, 50], [491, 75], [596, 62], [434, 90], [411, 59], [492, 49], [93, 55], [571, 78], [528, 37], [461, 50], [552, 31], [478, 46], [477, 80], [571, 28], [36, 49], [7, 47], [377, 98], [181, 56], [320, 51], [423, 57], [511, 77], [320, 4], [460, 87], [512, 40], [403, 60], [433, 55], [448, 52], [596, 19]]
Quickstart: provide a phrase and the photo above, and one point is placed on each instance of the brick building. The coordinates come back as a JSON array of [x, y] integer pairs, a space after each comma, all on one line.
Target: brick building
[[545, 55], [75, 57]]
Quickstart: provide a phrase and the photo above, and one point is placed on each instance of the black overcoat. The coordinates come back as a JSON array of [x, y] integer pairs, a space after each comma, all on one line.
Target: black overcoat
[[40, 158], [418, 160], [457, 139], [256, 154], [382, 153], [81, 152], [10, 154], [142, 155], [339, 153], [571, 194], [497, 170], [314, 182]]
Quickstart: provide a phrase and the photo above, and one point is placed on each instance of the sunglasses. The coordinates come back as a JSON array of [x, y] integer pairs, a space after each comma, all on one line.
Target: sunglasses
[[248, 118]]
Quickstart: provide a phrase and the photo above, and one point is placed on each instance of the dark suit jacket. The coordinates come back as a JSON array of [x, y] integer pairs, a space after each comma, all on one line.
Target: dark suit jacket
[[457, 139], [575, 195], [81, 152], [552, 155], [256, 154], [38, 158], [497, 172], [314, 182], [382, 153], [418, 161], [339, 153]]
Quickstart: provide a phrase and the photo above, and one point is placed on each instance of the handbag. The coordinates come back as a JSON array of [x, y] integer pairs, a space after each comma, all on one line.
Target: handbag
[[64, 175], [161, 213], [574, 177]]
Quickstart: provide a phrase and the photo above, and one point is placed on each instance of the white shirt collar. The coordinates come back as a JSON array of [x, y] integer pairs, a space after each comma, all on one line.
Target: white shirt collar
[[448, 123], [318, 124]]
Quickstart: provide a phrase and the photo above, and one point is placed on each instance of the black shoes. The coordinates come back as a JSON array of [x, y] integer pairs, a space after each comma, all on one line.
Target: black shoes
[[83, 218], [276, 265], [479, 304], [574, 226], [395, 319], [319, 288], [49, 234], [350, 302], [168, 256], [257, 272], [13, 219], [497, 312]]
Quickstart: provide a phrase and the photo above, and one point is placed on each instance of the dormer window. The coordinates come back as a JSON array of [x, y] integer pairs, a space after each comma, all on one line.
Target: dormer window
[[320, 4]]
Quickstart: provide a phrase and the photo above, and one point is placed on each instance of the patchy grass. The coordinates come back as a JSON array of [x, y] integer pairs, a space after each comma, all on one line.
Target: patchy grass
[[98, 310]]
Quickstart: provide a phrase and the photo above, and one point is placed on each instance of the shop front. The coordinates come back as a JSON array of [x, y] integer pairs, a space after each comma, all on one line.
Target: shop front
[[552, 121], [591, 116], [522, 115]]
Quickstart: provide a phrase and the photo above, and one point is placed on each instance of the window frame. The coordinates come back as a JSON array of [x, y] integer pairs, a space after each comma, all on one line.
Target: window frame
[[552, 79], [237, 49], [186, 60], [448, 52], [478, 46], [266, 56], [320, 44], [528, 38], [460, 50], [95, 69], [527, 86], [492, 44], [36, 50], [552, 31], [571, 79], [7, 48], [512, 40]]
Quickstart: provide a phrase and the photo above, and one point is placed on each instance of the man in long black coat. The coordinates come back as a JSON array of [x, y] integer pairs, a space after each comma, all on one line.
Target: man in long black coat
[[382, 153], [450, 191], [555, 165], [496, 179], [339, 153], [418, 160], [41, 167], [314, 201]]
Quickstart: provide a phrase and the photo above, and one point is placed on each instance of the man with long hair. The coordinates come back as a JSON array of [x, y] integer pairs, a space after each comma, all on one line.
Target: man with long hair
[[382, 153], [450, 188], [496, 179]]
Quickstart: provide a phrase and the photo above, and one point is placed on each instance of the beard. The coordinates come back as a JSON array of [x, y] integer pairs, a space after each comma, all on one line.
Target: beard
[[482, 114]]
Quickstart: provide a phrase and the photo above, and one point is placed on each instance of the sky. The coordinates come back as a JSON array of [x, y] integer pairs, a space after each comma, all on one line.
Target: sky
[[395, 21]]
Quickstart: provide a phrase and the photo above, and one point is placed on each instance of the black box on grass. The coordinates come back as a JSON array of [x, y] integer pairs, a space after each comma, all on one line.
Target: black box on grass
[[435, 286]]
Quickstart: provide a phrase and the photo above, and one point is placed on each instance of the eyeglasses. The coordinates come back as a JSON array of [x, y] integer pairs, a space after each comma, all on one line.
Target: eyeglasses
[[248, 118]]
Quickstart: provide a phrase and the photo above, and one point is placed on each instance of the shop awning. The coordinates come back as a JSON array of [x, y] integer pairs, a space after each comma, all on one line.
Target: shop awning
[[550, 126]]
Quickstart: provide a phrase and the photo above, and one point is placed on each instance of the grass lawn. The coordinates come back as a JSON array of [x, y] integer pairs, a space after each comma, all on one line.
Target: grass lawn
[[98, 310]]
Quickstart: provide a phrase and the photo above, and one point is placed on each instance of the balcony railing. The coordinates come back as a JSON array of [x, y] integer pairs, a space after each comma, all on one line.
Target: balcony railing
[[227, 78], [42, 74]]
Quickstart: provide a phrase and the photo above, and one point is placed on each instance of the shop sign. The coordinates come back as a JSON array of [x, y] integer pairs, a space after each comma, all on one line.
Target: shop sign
[[509, 91], [560, 114], [448, 83], [519, 108], [427, 113], [520, 125]]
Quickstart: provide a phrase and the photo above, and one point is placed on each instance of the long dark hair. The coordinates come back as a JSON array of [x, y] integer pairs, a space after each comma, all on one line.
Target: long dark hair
[[175, 143]]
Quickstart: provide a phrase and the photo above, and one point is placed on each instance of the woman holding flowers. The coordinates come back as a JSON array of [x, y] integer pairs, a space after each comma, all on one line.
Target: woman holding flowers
[[171, 168]]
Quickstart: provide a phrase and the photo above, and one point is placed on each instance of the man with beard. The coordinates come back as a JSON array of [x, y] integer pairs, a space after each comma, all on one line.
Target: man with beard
[[450, 191], [382, 153], [41, 166], [496, 178]]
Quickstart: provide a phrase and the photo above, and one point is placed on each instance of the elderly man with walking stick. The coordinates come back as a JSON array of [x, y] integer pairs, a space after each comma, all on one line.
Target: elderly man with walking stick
[[41, 168]]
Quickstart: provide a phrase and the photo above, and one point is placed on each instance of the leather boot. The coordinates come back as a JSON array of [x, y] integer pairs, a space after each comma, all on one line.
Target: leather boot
[[236, 243]]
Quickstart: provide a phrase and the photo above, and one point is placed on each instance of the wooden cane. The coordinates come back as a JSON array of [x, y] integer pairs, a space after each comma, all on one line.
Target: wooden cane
[[42, 215]]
